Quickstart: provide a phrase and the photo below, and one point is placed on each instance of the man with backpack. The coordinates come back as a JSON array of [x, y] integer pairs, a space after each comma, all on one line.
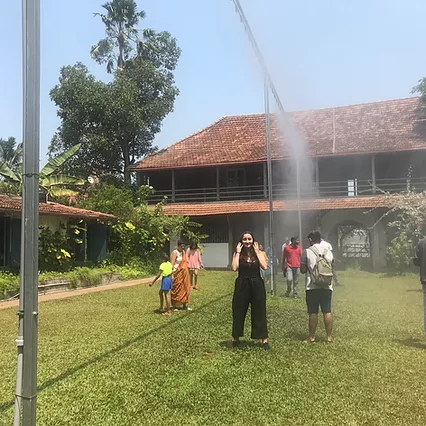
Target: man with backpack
[[316, 262]]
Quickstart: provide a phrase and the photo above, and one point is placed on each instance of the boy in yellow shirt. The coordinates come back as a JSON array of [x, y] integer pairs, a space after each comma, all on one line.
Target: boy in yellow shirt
[[166, 285]]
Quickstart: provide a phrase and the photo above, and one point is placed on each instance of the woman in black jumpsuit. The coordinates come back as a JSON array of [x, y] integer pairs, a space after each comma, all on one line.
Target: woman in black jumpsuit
[[249, 289]]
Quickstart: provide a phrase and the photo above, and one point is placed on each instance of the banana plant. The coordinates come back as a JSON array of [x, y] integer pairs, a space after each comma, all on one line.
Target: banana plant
[[52, 182]]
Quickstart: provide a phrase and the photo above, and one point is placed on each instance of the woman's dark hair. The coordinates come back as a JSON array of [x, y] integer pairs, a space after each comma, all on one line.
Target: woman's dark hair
[[248, 254], [180, 242], [193, 245]]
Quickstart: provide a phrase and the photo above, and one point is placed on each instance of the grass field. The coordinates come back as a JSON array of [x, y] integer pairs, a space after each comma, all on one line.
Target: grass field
[[107, 359]]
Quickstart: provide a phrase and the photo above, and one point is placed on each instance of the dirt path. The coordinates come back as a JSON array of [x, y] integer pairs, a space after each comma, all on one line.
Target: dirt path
[[77, 292]]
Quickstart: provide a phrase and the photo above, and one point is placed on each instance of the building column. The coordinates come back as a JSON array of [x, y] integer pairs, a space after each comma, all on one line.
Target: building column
[[230, 241], [378, 245], [217, 184], [373, 173], [173, 187]]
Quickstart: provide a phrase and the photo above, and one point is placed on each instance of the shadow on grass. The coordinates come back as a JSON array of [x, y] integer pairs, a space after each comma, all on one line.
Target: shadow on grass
[[106, 354], [413, 343], [297, 335], [242, 345]]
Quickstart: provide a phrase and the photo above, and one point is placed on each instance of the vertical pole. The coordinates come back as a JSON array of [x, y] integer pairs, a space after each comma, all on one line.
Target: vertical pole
[[217, 184], [373, 173], [265, 181], [317, 182], [26, 383], [299, 213], [271, 205], [173, 187]]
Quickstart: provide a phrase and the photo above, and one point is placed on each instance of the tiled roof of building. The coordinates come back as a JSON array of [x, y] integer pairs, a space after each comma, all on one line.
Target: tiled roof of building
[[10, 204], [210, 209], [386, 126]]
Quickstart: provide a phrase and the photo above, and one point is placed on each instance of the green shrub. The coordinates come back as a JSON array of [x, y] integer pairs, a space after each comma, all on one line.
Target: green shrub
[[85, 277], [137, 268], [9, 285], [400, 253], [53, 249]]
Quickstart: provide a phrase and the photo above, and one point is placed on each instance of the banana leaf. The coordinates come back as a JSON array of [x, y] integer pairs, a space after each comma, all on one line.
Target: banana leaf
[[54, 163], [49, 181], [7, 173]]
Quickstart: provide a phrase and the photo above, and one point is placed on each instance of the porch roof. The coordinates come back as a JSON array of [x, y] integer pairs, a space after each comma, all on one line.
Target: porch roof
[[387, 126], [12, 204], [212, 209]]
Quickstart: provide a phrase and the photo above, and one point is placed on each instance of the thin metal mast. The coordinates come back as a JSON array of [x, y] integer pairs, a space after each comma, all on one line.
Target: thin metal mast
[[270, 196], [26, 376], [270, 83]]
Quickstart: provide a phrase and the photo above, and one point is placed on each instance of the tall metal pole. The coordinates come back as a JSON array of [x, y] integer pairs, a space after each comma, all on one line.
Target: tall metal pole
[[271, 85], [270, 195], [299, 211], [26, 377]]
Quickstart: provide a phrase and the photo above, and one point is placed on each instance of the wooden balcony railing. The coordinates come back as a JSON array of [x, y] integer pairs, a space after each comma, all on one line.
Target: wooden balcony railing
[[348, 188]]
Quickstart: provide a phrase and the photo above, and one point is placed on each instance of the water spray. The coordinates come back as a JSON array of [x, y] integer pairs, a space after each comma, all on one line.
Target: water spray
[[269, 85]]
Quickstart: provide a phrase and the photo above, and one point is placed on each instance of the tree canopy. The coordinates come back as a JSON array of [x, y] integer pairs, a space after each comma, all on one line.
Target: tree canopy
[[116, 121]]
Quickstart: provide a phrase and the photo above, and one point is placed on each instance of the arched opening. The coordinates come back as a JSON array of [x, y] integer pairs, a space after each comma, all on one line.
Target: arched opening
[[353, 245]]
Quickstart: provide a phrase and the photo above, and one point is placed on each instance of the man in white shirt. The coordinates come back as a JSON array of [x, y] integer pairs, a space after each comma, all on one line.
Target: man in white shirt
[[326, 244], [286, 241], [317, 294]]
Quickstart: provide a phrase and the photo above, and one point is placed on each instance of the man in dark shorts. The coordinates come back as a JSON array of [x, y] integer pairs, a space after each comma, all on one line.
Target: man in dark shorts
[[317, 295]]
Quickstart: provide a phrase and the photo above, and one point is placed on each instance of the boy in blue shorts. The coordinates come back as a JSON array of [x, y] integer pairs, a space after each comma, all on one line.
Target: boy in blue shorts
[[166, 285]]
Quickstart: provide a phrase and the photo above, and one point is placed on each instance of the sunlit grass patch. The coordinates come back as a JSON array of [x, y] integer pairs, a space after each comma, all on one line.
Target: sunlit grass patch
[[107, 359]]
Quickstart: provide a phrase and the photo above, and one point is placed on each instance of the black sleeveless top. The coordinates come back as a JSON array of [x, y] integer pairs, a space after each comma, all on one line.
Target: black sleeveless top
[[248, 269]]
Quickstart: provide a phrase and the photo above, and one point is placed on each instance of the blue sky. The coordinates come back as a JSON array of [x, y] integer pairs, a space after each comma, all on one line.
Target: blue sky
[[320, 54]]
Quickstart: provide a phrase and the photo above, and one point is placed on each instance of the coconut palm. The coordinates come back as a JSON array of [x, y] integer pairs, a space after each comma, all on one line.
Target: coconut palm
[[10, 153], [120, 20], [51, 180]]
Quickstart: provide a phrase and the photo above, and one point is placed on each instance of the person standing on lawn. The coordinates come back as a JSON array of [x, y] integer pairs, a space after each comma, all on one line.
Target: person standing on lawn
[[166, 285], [291, 265], [420, 260], [181, 284], [316, 263], [249, 290], [194, 264]]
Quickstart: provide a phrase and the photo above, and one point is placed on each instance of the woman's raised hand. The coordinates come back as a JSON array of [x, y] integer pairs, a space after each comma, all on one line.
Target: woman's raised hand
[[238, 248], [256, 246]]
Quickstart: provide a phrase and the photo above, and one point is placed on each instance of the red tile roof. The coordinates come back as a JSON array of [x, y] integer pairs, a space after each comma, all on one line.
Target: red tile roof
[[210, 209], [386, 126], [9, 204]]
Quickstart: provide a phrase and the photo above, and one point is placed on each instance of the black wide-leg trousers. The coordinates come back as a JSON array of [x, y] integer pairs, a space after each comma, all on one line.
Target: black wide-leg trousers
[[249, 291]]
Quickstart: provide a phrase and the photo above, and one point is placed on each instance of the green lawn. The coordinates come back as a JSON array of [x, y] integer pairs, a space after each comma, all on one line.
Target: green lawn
[[107, 359]]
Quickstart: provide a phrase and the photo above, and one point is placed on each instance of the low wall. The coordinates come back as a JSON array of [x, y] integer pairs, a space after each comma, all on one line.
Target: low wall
[[215, 255], [61, 284]]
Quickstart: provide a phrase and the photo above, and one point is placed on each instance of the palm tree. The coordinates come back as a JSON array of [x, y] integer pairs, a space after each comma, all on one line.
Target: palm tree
[[122, 37], [10, 153], [51, 180]]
